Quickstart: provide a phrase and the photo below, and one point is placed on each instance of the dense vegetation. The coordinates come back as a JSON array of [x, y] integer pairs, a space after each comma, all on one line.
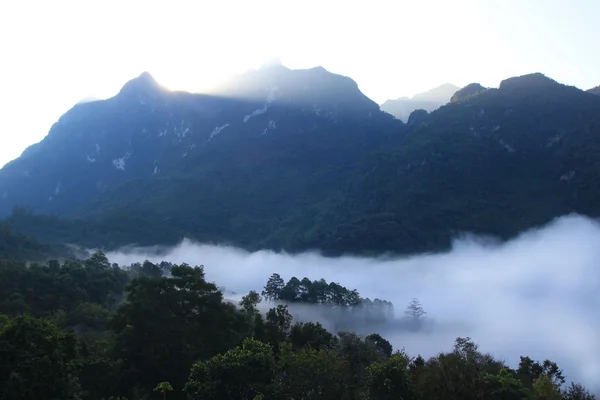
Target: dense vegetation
[[333, 173], [14, 245], [91, 330]]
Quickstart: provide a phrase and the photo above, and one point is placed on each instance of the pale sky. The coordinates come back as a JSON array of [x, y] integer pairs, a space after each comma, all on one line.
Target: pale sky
[[55, 53]]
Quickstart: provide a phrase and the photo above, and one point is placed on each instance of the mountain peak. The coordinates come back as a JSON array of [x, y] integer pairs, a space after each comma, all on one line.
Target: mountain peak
[[594, 90], [144, 84], [441, 93], [533, 81], [428, 101], [471, 89]]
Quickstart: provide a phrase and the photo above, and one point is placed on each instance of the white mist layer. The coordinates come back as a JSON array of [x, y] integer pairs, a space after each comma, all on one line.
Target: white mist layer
[[537, 295]]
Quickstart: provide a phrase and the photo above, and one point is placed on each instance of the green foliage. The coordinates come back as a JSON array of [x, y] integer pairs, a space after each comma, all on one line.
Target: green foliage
[[164, 388], [577, 392], [310, 334], [381, 344], [310, 374], [545, 389], [241, 373], [169, 323], [44, 289], [14, 245], [461, 374], [109, 340], [341, 182], [36, 361], [505, 386], [390, 379]]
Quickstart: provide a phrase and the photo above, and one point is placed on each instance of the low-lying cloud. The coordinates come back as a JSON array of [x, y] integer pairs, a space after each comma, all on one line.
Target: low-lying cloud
[[536, 295]]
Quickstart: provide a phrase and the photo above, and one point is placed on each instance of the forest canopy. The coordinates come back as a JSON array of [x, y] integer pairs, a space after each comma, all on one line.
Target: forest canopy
[[89, 329]]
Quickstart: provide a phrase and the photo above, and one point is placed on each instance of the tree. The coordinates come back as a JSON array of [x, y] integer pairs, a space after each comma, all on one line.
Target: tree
[[310, 374], [459, 374], [169, 323], [390, 379], [291, 292], [274, 287], [249, 303], [545, 389], [164, 388], [37, 361], [415, 313], [577, 392], [529, 370], [278, 324], [241, 373], [505, 386], [359, 354], [310, 334], [381, 344]]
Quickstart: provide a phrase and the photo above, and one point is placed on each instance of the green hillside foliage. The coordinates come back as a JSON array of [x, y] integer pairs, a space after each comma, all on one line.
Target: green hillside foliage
[[14, 245], [90, 330]]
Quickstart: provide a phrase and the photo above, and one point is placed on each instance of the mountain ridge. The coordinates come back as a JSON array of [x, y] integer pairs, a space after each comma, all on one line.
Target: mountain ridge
[[269, 171], [429, 100]]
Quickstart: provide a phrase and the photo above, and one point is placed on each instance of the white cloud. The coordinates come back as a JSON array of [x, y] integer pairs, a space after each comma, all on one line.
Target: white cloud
[[537, 295]]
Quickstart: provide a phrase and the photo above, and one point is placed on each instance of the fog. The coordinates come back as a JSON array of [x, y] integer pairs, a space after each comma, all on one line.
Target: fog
[[536, 295]]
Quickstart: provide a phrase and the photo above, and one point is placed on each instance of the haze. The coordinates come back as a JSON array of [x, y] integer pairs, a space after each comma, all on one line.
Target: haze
[[57, 53], [534, 295]]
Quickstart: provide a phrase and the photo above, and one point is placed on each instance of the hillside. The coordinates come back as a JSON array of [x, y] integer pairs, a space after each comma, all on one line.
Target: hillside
[[15, 246], [339, 176], [497, 162], [430, 100], [270, 117]]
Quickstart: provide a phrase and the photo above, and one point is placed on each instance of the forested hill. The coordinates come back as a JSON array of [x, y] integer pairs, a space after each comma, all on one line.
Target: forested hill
[[14, 245], [301, 159]]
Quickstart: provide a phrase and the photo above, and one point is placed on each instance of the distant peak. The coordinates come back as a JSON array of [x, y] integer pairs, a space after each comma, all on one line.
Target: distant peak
[[470, 90], [530, 81], [446, 86], [88, 99], [595, 90], [439, 94], [143, 84]]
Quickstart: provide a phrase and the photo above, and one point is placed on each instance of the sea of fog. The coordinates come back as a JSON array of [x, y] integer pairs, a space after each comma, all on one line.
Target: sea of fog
[[536, 295]]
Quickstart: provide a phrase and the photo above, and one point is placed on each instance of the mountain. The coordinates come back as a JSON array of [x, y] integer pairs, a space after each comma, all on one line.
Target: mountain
[[147, 132], [467, 92], [242, 160], [595, 90], [498, 162], [301, 159], [430, 100]]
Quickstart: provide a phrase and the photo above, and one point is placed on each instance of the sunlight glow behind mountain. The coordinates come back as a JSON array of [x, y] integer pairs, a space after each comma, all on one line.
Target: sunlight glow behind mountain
[[68, 50]]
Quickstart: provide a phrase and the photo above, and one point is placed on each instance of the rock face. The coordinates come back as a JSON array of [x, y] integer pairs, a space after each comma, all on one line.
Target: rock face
[[301, 159], [430, 100]]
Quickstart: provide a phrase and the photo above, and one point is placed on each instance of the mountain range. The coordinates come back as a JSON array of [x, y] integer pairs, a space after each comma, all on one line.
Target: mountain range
[[430, 100], [301, 159]]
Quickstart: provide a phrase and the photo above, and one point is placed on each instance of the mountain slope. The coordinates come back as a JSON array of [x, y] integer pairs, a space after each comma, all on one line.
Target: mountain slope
[[235, 165], [17, 246], [339, 176], [430, 100], [498, 162], [595, 90], [147, 132]]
